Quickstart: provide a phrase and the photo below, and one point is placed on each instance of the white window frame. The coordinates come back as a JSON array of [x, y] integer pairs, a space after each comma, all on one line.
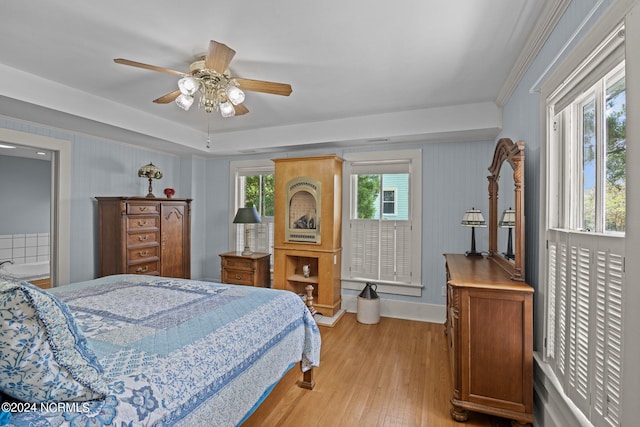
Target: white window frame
[[582, 273], [379, 161], [261, 235], [394, 202]]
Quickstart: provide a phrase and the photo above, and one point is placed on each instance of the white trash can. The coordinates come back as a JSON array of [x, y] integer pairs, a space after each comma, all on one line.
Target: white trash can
[[369, 305]]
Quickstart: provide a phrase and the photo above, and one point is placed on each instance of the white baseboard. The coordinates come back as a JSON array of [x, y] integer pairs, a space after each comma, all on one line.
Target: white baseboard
[[401, 309]]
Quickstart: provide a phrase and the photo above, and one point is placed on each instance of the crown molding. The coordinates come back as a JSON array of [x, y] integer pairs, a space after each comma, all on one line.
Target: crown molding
[[549, 16]]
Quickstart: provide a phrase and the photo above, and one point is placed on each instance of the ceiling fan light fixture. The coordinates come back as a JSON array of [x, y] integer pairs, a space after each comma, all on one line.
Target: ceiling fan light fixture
[[184, 101], [226, 109], [235, 94], [188, 85]]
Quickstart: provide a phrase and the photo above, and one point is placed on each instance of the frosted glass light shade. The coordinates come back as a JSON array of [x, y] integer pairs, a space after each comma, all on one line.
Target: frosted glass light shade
[[184, 101], [188, 85], [236, 96], [227, 110]]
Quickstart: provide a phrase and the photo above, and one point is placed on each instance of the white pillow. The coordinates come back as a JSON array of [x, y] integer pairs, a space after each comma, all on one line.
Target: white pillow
[[43, 355]]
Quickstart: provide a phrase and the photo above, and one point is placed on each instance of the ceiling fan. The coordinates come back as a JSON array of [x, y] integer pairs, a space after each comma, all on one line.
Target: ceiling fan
[[209, 76]]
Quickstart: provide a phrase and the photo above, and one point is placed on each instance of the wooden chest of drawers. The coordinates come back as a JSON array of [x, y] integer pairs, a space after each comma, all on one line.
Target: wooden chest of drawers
[[489, 328], [251, 270], [144, 236]]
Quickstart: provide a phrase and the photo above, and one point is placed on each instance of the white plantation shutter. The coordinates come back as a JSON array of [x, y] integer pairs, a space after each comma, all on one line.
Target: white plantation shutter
[[261, 236], [608, 331], [365, 241], [552, 262], [387, 250], [403, 251], [578, 370], [563, 288], [585, 274]]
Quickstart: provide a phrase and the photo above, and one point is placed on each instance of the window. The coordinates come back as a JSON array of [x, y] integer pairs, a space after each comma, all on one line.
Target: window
[[599, 118], [586, 183], [381, 237], [389, 197], [254, 186]]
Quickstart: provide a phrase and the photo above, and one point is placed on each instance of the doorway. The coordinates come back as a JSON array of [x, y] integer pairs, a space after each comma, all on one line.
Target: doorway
[[59, 230]]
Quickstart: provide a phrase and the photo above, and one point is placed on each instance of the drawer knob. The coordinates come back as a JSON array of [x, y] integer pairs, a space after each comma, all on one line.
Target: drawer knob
[[143, 238], [142, 269], [142, 223], [143, 253], [238, 276], [143, 208]]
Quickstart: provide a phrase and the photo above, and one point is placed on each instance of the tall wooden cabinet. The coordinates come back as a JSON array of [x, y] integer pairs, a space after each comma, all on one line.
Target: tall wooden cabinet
[[307, 229], [490, 334], [140, 235]]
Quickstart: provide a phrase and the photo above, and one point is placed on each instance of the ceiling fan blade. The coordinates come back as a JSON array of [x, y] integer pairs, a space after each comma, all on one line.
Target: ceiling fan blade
[[148, 67], [263, 86], [240, 109], [165, 99], [219, 57]]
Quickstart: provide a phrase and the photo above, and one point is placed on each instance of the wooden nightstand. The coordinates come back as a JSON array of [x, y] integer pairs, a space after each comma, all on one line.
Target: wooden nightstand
[[251, 270]]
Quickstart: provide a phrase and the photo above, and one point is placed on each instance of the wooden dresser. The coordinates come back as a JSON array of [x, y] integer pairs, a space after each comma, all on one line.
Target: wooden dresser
[[251, 270], [489, 329], [140, 235]]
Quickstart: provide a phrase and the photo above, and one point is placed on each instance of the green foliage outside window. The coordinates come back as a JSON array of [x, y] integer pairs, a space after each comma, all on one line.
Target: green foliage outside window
[[259, 192], [368, 193]]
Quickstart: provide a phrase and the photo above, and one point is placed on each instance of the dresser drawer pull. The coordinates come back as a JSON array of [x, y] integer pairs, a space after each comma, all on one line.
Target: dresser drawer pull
[[238, 276], [142, 208], [143, 238], [142, 269], [142, 223], [143, 253]]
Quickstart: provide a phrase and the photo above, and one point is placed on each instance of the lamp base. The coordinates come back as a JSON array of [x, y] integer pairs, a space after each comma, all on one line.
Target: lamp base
[[469, 253], [247, 252]]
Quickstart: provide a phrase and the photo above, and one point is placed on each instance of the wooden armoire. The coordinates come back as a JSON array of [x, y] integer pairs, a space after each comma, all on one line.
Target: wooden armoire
[[308, 228], [139, 235]]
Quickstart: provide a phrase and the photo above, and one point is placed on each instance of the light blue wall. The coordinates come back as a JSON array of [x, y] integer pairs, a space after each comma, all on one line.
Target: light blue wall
[[522, 121], [106, 168], [453, 180], [25, 195]]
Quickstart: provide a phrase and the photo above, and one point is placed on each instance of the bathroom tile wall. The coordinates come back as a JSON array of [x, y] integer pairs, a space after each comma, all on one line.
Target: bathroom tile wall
[[24, 248]]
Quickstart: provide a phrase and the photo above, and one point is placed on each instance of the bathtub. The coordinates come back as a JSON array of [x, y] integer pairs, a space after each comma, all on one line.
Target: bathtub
[[29, 271]]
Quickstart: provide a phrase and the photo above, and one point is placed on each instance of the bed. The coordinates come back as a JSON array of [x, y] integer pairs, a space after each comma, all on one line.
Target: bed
[[152, 351]]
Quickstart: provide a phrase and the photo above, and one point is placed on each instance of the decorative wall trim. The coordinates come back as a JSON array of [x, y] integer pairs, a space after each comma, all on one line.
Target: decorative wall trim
[[549, 17]]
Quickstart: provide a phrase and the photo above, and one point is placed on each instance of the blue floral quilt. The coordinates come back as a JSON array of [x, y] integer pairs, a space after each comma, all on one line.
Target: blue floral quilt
[[180, 352]]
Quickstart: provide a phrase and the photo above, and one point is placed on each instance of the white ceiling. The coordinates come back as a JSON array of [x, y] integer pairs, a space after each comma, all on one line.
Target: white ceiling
[[360, 69]]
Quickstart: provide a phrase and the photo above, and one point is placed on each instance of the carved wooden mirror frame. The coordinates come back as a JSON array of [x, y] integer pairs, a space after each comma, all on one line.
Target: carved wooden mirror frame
[[513, 154]]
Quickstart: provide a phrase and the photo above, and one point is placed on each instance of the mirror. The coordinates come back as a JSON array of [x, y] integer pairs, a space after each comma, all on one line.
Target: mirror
[[508, 160]]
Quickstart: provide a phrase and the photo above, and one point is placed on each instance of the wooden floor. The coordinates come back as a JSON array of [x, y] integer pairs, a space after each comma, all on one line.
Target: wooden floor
[[395, 373]]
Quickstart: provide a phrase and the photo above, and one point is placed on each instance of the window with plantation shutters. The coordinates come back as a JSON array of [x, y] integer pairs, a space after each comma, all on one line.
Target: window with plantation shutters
[[585, 275], [585, 231], [381, 239], [253, 185]]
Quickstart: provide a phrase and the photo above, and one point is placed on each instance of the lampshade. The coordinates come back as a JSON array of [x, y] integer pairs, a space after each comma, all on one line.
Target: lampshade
[[473, 218], [247, 216], [508, 219], [150, 171]]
